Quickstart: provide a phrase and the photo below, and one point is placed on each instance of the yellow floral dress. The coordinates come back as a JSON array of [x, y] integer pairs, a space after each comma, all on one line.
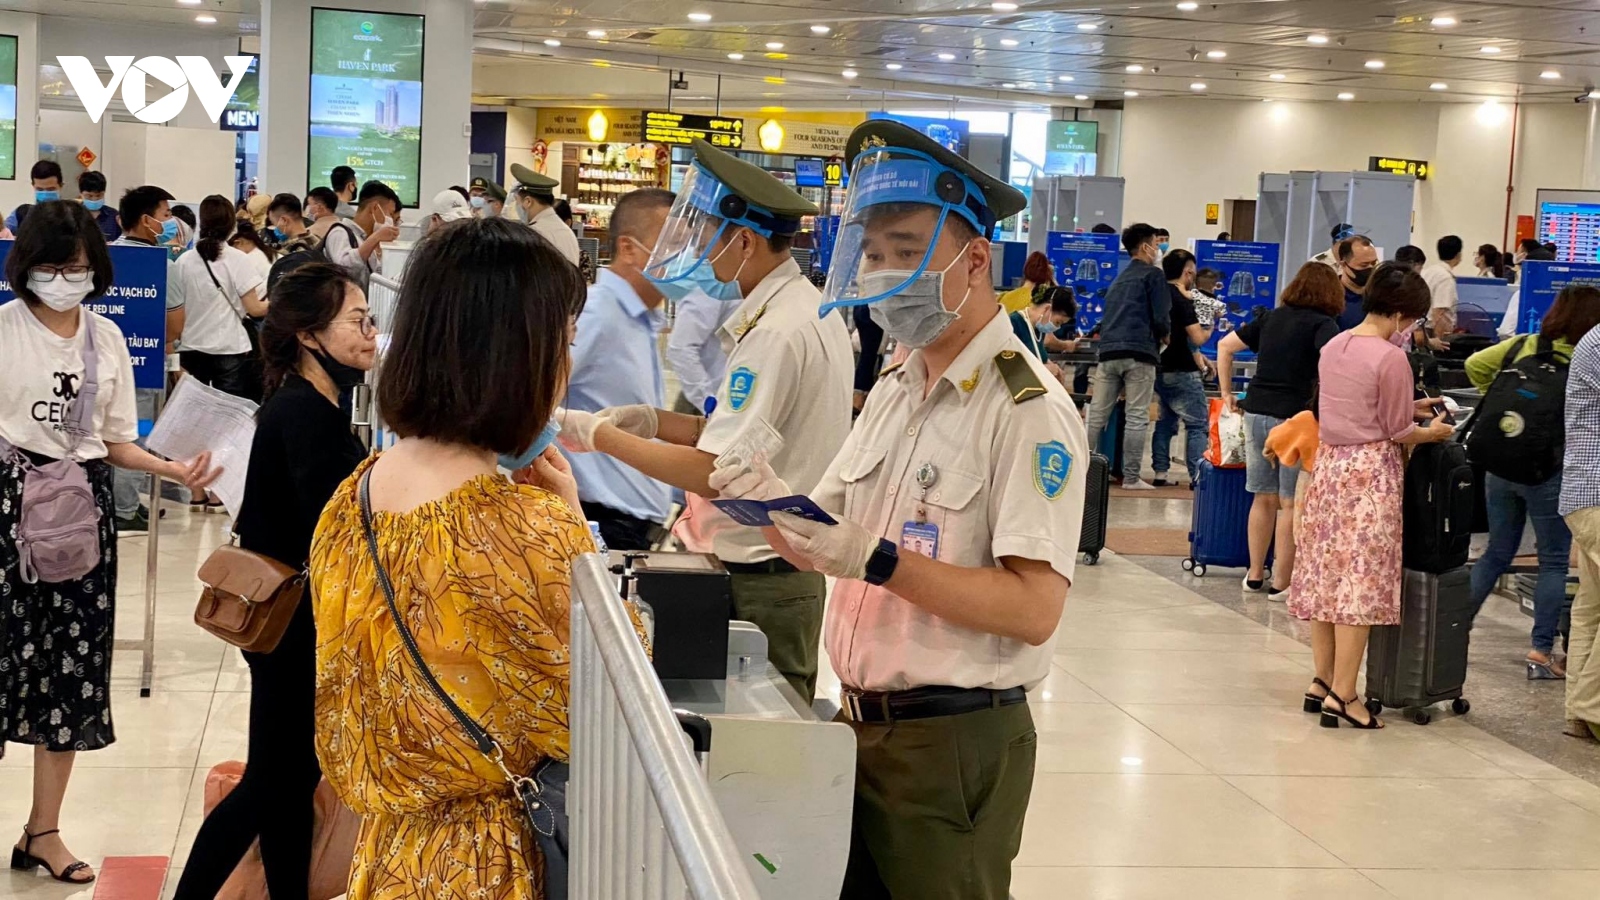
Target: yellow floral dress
[[482, 576]]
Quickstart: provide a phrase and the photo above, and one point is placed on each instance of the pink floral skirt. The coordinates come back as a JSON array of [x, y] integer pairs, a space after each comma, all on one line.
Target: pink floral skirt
[[1347, 558]]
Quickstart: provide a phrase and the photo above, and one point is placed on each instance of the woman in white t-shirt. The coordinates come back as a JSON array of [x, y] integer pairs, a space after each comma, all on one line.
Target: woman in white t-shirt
[[249, 242], [221, 288], [56, 637]]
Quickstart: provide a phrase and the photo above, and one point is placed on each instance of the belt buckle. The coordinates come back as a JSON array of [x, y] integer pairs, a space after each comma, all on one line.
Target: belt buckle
[[851, 704]]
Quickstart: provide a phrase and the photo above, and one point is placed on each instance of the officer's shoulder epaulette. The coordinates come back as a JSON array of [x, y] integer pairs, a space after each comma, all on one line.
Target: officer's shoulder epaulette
[[1021, 381], [889, 369]]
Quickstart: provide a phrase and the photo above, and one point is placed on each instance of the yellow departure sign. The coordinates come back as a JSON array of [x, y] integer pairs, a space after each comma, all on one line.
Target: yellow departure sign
[[682, 128], [1418, 168]]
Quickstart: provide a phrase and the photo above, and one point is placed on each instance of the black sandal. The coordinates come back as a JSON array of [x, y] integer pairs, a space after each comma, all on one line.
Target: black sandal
[[1313, 703], [1331, 717], [23, 860]]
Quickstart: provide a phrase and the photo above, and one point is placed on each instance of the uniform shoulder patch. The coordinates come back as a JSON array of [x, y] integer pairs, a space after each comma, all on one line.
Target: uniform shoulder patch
[[741, 384], [890, 369], [1021, 381], [1052, 464]]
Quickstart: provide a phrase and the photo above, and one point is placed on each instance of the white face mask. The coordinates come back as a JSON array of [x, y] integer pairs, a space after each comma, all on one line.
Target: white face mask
[[916, 315], [56, 292]]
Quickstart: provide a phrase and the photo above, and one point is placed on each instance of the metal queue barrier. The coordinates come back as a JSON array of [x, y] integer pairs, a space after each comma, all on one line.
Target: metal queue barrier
[[644, 824], [145, 644]]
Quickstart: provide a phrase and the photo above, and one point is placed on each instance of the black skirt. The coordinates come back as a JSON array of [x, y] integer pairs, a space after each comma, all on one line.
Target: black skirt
[[55, 639]]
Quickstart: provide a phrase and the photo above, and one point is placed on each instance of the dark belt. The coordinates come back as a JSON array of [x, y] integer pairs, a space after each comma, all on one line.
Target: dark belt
[[924, 702], [776, 566]]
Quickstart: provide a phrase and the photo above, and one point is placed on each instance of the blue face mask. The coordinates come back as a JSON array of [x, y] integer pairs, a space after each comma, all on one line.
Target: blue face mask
[[276, 233], [703, 277], [477, 202], [1163, 247], [169, 229], [93, 205], [525, 458], [46, 196]]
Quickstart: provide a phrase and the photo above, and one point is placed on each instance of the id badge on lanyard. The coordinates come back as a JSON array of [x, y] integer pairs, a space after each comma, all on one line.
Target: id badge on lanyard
[[920, 535]]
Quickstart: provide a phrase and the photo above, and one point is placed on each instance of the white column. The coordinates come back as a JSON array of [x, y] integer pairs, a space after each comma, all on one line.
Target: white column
[[286, 90]]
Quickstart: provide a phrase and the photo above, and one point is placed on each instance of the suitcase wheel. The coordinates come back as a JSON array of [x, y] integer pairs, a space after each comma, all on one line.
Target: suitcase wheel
[[1374, 706], [1460, 706], [1421, 717], [1091, 559], [1187, 564]]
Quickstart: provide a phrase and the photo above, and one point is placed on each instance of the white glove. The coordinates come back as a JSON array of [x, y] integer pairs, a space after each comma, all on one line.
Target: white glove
[[748, 482], [840, 550], [577, 429], [639, 419]]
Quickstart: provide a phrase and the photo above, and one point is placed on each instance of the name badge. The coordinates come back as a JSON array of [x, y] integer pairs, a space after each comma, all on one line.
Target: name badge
[[920, 537]]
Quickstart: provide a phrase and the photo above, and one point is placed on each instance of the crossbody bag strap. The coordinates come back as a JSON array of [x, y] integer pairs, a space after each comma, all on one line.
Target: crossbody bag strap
[[227, 296], [79, 417]]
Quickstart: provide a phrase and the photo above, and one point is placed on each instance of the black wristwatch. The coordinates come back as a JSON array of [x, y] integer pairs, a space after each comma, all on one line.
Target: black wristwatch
[[881, 564]]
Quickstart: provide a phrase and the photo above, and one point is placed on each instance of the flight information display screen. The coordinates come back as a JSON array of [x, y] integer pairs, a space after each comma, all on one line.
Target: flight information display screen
[[1574, 228]]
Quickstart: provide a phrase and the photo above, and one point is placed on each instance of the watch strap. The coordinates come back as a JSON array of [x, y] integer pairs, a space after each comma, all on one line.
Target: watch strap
[[882, 563]]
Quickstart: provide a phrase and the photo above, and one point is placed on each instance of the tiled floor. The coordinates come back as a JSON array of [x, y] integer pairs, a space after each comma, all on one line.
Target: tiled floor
[[1173, 761]]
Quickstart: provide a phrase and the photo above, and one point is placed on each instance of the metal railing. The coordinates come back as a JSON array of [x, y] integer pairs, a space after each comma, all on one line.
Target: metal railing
[[382, 292], [644, 824]]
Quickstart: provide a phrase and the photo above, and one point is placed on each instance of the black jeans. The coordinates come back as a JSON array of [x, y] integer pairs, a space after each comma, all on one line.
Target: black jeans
[[620, 530], [273, 801], [238, 374]]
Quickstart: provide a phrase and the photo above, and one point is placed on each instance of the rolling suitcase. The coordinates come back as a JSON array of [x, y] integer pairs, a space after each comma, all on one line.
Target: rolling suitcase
[[1219, 533], [1096, 503], [1111, 438], [1423, 660]]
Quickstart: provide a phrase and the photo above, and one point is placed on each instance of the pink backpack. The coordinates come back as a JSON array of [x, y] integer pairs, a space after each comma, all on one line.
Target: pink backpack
[[58, 531]]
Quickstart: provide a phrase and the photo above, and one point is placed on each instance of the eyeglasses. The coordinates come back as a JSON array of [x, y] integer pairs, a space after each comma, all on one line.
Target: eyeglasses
[[368, 324], [72, 274]]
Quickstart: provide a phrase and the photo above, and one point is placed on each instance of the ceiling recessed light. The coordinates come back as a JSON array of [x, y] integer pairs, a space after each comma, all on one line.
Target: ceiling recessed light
[[1277, 76], [1594, 94], [1130, 93], [1374, 63], [551, 42], [947, 57], [1133, 67], [1003, 7], [1316, 39], [699, 17], [1087, 26], [820, 29], [736, 56], [1443, 21], [774, 45], [205, 19], [1080, 96], [1025, 84], [597, 34], [1008, 85], [1550, 74], [1347, 96], [894, 67], [1188, 6], [1266, 99], [1488, 48], [1008, 42], [1216, 54], [1064, 78], [191, 2], [1197, 86], [849, 73], [1438, 86]]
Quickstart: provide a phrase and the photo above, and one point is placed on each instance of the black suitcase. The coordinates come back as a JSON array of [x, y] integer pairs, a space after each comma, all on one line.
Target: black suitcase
[[1096, 504], [1423, 660]]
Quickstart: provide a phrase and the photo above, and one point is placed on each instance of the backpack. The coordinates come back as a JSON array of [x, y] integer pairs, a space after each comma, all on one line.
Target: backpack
[[313, 253], [1518, 431], [58, 524], [1437, 508]]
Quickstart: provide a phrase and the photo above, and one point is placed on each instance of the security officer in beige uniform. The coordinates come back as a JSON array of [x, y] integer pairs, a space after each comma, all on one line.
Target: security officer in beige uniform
[[785, 397], [536, 207], [959, 498]]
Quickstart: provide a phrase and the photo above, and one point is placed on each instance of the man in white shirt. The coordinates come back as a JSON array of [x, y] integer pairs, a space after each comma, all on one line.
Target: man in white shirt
[[342, 239], [694, 349], [536, 202], [1440, 275]]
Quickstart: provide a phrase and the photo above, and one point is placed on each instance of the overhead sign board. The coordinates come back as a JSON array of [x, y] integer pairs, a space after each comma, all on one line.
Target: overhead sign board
[[833, 172], [1394, 165], [682, 128]]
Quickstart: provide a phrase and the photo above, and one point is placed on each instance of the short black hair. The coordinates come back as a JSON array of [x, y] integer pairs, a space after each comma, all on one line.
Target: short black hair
[[1061, 299], [479, 349], [324, 196], [288, 203], [628, 216], [45, 168], [376, 190], [1213, 274], [186, 215], [341, 176], [1449, 247], [1528, 245], [1413, 256], [1551, 247], [140, 202], [1173, 264], [563, 210], [1103, 228], [51, 235], [1396, 290], [1137, 235], [1163, 233], [465, 194], [91, 182]]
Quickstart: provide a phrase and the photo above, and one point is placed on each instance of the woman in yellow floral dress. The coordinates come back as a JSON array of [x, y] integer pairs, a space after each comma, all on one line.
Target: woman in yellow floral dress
[[481, 568]]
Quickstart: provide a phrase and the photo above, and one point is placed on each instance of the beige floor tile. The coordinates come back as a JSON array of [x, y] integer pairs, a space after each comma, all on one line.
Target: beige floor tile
[[171, 887], [1288, 741], [1060, 687], [1188, 676], [162, 731], [187, 663], [1098, 737], [1196, 619], [193, 816], [108, 812], [1440, 823], [1461, 731], [1262, 641], [1456, 884], [228, 730], [1156, 820], [38, 886], [1574, 790], [1110, 883]]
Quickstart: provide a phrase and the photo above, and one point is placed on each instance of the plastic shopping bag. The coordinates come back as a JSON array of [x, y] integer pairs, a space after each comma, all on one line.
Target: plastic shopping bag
[[1226, 448]]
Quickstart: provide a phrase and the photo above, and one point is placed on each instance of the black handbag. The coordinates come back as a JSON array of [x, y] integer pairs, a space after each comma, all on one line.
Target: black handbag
[[544, 792]]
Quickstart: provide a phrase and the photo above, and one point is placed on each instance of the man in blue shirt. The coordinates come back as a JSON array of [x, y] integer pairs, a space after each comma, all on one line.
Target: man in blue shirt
[[46, 178], [694, 349], [616, 363], [1580, 504]]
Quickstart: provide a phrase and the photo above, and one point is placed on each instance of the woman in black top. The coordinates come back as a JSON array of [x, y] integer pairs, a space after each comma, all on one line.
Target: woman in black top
[[1288, 345], [318, 338]]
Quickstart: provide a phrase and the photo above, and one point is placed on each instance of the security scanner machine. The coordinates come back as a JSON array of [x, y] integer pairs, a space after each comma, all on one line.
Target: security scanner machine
[[1378, 204], [1072, 203]]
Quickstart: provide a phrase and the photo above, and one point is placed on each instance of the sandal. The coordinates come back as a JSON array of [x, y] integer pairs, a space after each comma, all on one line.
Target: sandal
[[1550, 669], [1313, 703], [1340, 710], [23, 860]]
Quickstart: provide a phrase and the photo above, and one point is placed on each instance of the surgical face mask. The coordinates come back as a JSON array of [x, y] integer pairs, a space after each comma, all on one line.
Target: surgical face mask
[[523, 214], [276, 233], [1163, 247], [1359, 276], [344, 376], [525, 459], [477, 202], [56, 292], [46, 196], [169, 229], [93, 205], [915, 315], [704, 278]]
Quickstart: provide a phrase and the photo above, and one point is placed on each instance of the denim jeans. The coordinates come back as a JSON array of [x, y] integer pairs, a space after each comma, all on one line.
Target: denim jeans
[[1510, 504], [1183, 396], [1136, 380]]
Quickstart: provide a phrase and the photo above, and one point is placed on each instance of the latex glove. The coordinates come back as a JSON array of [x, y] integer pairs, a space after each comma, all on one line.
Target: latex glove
[[748, 482], [577, 429], [639, 419], [840, 550]]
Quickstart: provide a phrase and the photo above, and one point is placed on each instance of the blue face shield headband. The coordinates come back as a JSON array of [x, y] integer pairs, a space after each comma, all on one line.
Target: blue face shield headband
[[707, 200]]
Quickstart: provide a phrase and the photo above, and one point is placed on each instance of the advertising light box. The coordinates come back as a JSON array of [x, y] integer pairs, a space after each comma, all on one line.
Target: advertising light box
[[1070, 148], [8, 106], [366, 99]]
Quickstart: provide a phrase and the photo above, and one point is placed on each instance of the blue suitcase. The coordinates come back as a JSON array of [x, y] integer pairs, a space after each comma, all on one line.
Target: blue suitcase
[[1219, 533]]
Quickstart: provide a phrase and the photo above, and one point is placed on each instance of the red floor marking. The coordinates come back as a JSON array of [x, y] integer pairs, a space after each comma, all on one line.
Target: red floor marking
[[131, 878]]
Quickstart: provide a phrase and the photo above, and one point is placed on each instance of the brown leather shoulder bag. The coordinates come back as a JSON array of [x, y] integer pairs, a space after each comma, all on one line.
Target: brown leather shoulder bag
[[248, 599]]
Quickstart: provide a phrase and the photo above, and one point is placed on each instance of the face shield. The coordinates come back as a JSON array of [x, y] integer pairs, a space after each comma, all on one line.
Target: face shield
[[702, 217], [898, 205]]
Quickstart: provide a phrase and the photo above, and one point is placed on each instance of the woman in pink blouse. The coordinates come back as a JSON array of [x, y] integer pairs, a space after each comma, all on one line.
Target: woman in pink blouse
[[1348, 576]]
